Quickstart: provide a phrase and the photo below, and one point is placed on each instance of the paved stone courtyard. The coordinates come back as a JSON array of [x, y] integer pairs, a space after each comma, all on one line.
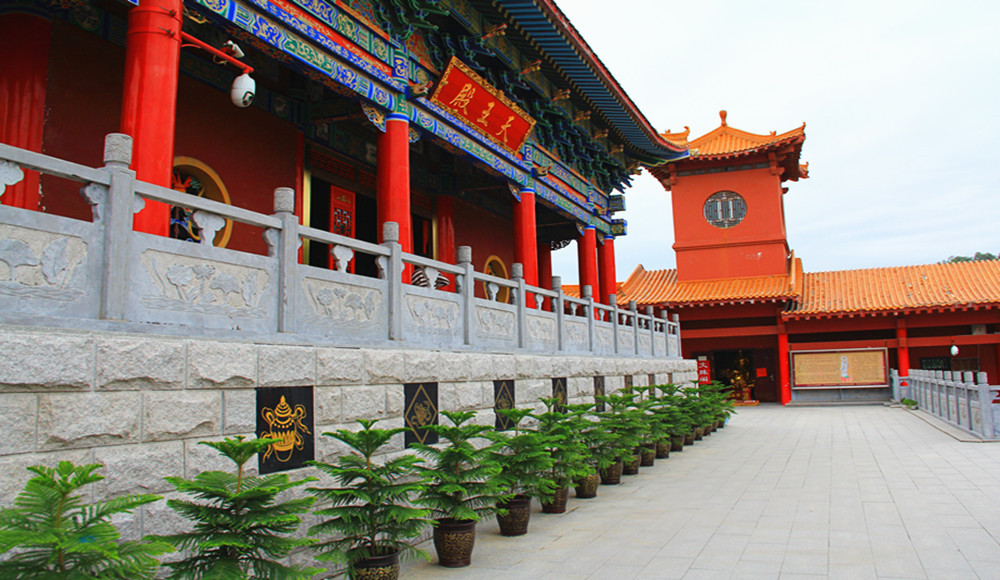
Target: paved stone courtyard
[[848, 492]]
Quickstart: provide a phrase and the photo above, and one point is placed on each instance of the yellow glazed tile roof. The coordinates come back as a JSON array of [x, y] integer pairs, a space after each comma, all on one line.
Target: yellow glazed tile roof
[[948, 286], [928, 287], [726, 141], [661, 287]]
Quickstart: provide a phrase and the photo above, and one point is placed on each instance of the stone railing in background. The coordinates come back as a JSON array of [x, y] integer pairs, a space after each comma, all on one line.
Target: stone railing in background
[[62, 272], [964, 400]]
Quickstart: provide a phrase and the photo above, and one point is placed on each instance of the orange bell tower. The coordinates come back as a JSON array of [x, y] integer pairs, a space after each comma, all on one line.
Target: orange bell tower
[[729, 214]]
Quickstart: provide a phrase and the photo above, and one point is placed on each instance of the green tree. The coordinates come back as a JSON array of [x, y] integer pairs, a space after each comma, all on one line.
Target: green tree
[[369, 514], [56, 535], [463, 479], [240, 527], [978, 257]]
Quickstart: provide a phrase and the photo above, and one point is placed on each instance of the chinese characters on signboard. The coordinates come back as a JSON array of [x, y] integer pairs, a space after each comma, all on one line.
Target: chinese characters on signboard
[[704, 371], [467, 96]]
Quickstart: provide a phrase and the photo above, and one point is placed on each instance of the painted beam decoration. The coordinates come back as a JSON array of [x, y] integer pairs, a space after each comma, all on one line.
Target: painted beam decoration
[[468, 96]]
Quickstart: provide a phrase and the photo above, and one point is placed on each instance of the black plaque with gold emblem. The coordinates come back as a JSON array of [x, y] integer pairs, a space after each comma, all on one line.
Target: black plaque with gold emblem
[[599, 392], [285, 413], [559, 394], [503, 398], [421, 409], [628, 382]]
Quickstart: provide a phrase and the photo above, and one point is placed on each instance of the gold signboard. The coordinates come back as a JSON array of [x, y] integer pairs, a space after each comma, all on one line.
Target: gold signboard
[[839, 368]]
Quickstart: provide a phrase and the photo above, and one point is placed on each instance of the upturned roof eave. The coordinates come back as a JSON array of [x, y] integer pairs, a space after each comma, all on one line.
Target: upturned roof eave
[[552, 31]]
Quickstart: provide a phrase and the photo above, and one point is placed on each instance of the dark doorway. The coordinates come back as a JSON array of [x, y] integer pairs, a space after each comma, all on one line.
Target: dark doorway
[[765, 386]]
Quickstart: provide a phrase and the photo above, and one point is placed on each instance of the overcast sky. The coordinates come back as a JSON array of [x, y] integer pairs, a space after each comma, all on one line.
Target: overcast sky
[[900, 100]]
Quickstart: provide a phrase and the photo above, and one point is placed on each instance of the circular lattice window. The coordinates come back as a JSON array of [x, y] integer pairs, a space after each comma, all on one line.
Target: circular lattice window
[[195, 178], [725, 209]]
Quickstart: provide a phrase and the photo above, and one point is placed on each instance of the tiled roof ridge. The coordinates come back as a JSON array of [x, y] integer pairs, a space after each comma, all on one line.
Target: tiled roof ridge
[[899, 288], [910, 266], [755, 141]]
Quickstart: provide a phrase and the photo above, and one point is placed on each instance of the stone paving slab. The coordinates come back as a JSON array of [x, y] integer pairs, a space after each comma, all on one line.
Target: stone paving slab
[[847, 492]]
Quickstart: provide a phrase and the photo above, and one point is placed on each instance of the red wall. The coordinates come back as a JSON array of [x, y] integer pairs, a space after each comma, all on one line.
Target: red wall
[[487, 233], [252, 151], [83, 105], [755, 247]]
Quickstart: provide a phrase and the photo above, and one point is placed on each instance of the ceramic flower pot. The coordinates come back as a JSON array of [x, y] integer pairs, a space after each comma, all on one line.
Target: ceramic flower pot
[[515, 523], [454, 540], [631, 465], [612, 475], [586, 488], [381, 567], [557, 503], [647, 455]]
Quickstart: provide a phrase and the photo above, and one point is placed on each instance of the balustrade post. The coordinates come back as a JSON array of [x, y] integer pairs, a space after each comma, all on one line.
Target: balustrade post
[[677, 327], [287, 253], [468, 290], [652, 331], [634, 309], [613, 303], [119, 206], [666, 333], [587, 293], [520, 303], [394, 278], [560, 310], [985, 406]]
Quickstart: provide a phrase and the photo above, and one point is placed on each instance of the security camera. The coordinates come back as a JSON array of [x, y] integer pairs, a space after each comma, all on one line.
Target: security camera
[[232, 49], [243, 91]]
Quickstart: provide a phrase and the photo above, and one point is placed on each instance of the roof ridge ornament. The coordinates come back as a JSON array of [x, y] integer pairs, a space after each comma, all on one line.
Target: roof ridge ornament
[[722, 115]]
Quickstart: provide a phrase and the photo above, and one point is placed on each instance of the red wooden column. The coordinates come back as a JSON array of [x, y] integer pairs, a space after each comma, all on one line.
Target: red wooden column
[[545, 266], [526, 235], [393, 181], [149, 103], [545, 270], [784, 373], [587, 256], [445, 240], [24, 52], [606, 267], [902, 352]]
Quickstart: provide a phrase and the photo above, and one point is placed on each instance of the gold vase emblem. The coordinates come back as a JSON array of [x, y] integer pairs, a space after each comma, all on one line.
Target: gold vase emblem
[[286, 425]]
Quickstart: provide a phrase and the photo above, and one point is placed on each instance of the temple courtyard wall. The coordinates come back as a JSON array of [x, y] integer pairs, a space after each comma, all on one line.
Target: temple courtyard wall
[[140, 403]]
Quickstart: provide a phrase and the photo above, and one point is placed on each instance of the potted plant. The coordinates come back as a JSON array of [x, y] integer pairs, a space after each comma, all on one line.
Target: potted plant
[[680, 417], [667, 417], [645, 405], [589, 432], [629, 425], [370, 518], [51, 533], [568, 453], [241, 529], [524, 464], [463, 486]]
